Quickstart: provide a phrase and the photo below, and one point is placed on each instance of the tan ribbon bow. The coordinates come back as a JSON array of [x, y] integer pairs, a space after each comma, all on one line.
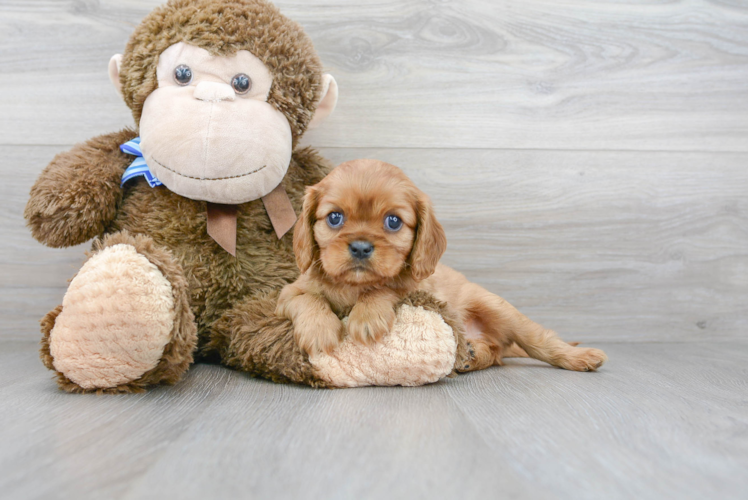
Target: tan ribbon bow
[[222, 219]]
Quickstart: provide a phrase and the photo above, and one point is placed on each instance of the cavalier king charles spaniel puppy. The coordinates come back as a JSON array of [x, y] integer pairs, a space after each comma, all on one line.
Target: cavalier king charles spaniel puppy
[[367, 236]]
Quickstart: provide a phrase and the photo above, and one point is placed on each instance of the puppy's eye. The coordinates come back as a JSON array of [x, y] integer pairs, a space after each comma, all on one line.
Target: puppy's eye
[[335, 220], [183, 74], [393, 223]]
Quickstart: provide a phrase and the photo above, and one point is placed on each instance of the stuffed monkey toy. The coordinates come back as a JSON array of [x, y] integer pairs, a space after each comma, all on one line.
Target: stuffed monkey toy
[[190, 214]]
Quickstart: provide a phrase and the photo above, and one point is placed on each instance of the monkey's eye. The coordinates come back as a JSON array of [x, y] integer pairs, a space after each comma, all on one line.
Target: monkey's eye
[[183, 75], [393, 223], [335, 220], [241, 83]]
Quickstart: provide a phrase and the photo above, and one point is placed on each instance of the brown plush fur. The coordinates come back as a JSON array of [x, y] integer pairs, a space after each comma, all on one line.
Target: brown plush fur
[[250, 340], [178, 353], [77, 194], [366, 193], [47, 323], [78, 197], [221, 28], [215, 280]]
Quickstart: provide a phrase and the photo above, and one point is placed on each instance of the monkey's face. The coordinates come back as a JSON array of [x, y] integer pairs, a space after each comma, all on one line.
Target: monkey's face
[[208, 133]]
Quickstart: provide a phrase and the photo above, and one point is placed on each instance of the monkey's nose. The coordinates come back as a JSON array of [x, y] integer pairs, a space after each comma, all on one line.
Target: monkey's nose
[[361, 249], [214, 92]]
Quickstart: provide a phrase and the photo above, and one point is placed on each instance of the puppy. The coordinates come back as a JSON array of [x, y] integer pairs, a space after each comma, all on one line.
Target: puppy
[[367, 236]]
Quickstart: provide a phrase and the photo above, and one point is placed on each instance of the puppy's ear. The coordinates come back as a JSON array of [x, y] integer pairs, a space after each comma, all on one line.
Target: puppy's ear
[[430, 241], [304, 245]]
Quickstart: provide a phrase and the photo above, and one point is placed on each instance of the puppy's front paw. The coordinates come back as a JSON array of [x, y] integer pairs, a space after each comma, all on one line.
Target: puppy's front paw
[[583, 359], [317, 333], [367, 325]]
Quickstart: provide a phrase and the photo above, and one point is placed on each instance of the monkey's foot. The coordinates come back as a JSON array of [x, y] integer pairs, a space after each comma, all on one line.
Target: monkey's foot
[[420, 349], [124, 322]]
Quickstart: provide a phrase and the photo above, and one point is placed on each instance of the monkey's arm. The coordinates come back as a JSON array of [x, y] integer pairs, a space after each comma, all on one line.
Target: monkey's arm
[[78, 193]]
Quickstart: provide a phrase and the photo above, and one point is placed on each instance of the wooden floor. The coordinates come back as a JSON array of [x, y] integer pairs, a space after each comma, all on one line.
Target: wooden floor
[[661, 420]]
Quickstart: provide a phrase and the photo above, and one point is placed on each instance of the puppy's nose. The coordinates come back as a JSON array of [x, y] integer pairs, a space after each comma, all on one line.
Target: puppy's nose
[[361, 249]]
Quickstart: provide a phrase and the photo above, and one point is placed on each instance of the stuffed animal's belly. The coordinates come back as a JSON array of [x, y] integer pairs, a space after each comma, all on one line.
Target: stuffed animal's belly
[[216, 279]]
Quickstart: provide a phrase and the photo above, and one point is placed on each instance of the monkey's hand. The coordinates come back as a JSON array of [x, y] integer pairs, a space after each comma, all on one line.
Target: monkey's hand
[[77, 194], [372, 316]]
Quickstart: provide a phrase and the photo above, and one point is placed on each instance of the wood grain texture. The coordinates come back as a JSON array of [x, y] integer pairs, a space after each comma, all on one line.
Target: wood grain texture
[[638, 246], [659, 421], [459, 74]]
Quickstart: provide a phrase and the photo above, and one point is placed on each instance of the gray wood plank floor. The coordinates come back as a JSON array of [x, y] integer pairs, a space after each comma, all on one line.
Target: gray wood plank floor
[[462, 73], [661, 420]]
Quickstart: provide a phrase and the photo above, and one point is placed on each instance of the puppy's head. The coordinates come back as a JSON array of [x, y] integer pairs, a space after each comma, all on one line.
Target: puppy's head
[[366, 223]]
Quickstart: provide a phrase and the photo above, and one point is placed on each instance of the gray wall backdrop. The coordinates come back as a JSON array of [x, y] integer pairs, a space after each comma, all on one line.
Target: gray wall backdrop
[[589, 160]]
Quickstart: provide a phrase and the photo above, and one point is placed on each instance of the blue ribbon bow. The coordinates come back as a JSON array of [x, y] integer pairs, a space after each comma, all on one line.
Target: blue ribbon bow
[[139, 166]]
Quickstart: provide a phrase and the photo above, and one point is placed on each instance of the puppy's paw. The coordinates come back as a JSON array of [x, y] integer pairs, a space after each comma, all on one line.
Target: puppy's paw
[[583, 359], [316, 333], [481, 357], [283, 307], [368, 325]]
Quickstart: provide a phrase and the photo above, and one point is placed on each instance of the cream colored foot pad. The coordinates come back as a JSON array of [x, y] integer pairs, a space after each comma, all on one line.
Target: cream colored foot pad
[[420, 349], [117, 316]]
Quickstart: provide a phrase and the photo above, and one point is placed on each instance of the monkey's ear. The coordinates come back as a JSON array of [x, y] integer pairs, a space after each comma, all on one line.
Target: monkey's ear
[[430, 241], [304, 245], [115, 63], [327, 102]]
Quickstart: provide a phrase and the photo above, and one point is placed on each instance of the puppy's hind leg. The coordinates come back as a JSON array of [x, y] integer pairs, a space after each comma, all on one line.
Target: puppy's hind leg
[[514, 351], [484, 351], [503, 324]]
